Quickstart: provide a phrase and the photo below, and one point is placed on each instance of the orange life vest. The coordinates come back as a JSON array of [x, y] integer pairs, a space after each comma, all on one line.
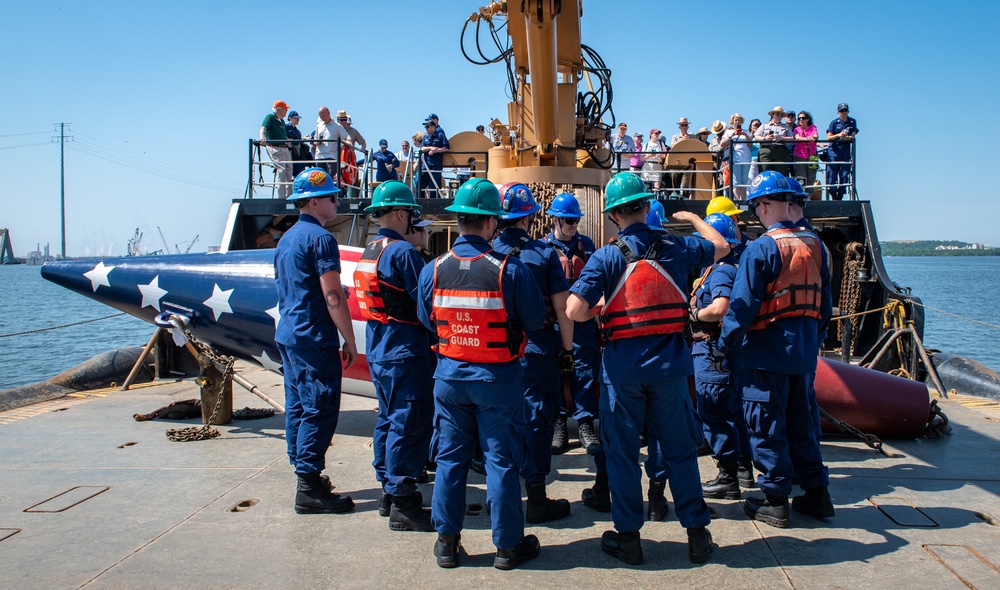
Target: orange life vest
[[468, 310], [379, 300], [799, 287], [646, 300], [572, 264], [348, 165]]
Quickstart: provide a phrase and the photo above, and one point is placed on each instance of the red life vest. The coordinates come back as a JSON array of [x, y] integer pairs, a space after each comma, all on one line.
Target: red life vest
[[379, 300], [572, 264], [799, 287], [646, 300], [348, 165], [468, 310]]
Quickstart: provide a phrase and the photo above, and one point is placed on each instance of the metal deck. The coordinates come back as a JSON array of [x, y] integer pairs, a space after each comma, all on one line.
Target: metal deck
[[929, 515]]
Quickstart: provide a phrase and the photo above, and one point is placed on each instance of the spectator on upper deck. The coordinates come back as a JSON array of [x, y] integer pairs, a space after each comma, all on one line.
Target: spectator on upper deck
[[683, 133], [737, 139], [841, 132], [274, 138], [300, 151], [754, 148], [345, 121], [385, 163], [437, 125], [715, 140], [774, 135], [622, 145], [404, 154], [653, 160], [702, 135], [432, 149], [635, 162], [328, 131], [805, 153], [790, 120]]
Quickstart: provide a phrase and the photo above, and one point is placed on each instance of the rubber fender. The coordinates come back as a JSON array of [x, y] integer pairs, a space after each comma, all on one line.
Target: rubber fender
[[871, 401], [112, 366], [965, 375]]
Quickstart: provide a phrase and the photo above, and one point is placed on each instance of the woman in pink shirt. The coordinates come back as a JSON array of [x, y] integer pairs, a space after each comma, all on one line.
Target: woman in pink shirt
[[805, 165]]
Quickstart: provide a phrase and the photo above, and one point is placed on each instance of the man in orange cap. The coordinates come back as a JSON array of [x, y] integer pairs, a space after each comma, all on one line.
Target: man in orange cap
[[274, 137]]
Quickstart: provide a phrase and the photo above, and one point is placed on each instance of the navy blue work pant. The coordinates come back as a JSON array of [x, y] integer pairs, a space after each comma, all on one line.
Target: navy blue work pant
[[838, 174], [720, 409], [666, 407], [541, 405], [312, 403], [403, 427], [782, 431], [491, 412]]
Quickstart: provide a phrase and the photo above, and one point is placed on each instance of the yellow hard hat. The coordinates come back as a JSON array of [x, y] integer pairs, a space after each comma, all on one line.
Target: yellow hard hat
[[722, 205]]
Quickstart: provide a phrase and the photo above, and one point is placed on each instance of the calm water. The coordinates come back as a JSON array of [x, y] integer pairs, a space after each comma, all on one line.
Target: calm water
[[961, 285]]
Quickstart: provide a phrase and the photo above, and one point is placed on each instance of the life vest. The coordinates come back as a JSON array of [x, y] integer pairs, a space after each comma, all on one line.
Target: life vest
[[550, 310], [702, 330], [646, 300], [468, 312], [573, 263], [379, 300], [799, 287], [348, 165]]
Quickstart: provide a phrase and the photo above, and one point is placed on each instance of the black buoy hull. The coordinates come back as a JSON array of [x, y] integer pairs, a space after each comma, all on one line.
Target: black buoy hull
[[966, 376]]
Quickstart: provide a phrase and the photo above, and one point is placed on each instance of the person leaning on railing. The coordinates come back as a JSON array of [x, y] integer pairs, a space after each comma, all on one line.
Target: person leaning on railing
[[773, 135], [737, 140], [805, 149], [841, 132]]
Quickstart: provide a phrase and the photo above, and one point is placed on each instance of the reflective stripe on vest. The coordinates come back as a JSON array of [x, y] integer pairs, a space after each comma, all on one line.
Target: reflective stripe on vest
[[468, 310], [378, 300], [799, 287], [646, 300]]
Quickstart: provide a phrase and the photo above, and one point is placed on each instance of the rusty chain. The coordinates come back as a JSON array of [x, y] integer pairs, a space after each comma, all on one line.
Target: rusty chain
[[207, 431], [869, 439], [937, 423], [850, 289]]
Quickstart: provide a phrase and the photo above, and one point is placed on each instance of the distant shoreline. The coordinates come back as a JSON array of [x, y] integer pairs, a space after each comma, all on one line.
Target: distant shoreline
[[936, 248]]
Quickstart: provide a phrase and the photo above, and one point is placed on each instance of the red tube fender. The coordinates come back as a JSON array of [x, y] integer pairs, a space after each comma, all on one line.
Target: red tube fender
[[871, 401]]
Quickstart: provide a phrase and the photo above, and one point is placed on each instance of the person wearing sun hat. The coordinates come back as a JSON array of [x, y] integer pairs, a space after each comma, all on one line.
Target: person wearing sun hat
[[774, 136]]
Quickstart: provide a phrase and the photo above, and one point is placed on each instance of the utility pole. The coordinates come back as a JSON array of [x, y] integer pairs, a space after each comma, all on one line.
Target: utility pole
[[62, 179]]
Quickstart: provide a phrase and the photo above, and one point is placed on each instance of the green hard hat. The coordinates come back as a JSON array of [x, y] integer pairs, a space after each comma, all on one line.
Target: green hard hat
[[392, 193], [624, 187], [476, 196]]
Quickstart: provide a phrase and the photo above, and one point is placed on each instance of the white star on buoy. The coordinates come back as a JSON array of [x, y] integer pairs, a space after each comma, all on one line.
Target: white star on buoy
[[99, 275], [219, 301], [275, 313], [152, 293], [267, 363]]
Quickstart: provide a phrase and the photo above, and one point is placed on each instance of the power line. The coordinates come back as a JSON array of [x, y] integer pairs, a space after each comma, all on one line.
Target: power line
[[10, 147], [141, 168], [20, 134]]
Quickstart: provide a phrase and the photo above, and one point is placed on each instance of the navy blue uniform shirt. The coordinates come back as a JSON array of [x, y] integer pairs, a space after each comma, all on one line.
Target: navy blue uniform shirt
[[644, 359], [547, 271], [399, 265], [436, 139], [842, 149], [385, 165], [304, 253], [522, 300], [718, 283]]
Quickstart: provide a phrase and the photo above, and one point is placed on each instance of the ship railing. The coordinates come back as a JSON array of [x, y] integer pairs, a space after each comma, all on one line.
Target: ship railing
[[263, 173], [694, 181], [811, 179]]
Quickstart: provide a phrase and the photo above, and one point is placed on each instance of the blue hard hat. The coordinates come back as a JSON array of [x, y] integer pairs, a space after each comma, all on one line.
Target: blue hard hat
[[654, 220], [313, 182], [517, 201], [770, 184], [655, 205], [565, 205], [724, 225], [797, 190]]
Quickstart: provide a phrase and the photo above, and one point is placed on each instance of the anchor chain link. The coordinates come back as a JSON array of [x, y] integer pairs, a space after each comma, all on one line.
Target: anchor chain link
[[207, 431], [850, 289]]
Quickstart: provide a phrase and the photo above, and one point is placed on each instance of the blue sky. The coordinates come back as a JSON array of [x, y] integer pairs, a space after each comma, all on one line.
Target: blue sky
[[163, 97]]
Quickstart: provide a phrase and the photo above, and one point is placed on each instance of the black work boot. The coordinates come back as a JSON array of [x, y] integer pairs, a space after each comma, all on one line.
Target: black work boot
[[624, 546], [588, 436], [407, 515], [384, 504], [312, 497], [560, 437], [446, 550], [325, 480], [704, 449], [744, 472], [540, 507], [658, 507], [726, 484], [599, 496], [699, 544], [478, 463], [772, 510], [526, 550], [815, 503]]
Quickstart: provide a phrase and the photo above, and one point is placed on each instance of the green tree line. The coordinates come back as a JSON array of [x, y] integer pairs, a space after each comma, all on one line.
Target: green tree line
[[929, 248]]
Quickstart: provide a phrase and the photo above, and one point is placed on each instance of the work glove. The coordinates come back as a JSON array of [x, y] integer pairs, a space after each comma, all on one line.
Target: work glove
[[566, 366], [718, 359]]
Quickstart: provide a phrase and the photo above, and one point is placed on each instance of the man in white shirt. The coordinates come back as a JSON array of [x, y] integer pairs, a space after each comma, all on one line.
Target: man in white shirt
[[330, 131]]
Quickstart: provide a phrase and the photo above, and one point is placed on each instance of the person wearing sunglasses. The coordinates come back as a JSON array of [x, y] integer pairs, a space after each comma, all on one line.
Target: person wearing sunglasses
[[805, 149], [779, 306], [574, 249], [313, 308], [841, 133]]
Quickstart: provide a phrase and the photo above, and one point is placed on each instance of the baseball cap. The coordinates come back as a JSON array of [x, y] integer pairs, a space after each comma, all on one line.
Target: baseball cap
[[383, 143], [432, 116], [294, 115], [418, 221], [842, 107], [280, 104]]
